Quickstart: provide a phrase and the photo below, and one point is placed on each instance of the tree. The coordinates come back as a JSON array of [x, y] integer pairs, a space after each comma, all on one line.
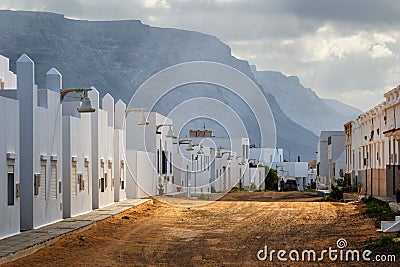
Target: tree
[[270, 180]]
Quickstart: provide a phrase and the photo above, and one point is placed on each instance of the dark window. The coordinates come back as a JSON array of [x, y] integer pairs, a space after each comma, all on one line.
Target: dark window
[[102, 184], [10, 185], [170, 162], [164, 162], [158, 161]]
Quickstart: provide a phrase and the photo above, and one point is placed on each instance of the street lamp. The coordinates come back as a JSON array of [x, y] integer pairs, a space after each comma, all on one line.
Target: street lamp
[[229, 153], [86, 105], [170, 134], [218, 156], [241, 175], [189, 146], [142, 119]]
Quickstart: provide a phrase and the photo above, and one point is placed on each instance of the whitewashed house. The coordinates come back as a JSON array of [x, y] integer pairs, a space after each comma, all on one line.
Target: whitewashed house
[[8, 79], [102, 123], [77, 160], [326, 157], [9, 153], [149, 156], [40, 146], [294, 170], [192, 168], [373, 148], [119, 152], [266, 155], [256, 178]]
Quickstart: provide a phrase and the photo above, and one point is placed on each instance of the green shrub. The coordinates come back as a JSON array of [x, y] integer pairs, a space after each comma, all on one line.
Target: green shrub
[[382, 212], [336, 194]]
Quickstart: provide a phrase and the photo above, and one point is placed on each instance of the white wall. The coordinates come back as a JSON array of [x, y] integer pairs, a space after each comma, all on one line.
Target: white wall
[[144, 138], [266, 155], [40, 140], [141, 178], [119, 152], [76, 151], [257, 176], [7, 76], [9, 153]]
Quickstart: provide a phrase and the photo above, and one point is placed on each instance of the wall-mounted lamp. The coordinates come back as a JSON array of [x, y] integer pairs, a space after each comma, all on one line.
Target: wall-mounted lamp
[[170, 133], [186, 141], [142, 119], [86, 105]]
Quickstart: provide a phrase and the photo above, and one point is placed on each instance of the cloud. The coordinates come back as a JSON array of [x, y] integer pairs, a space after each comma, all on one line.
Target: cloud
[[335, 47]]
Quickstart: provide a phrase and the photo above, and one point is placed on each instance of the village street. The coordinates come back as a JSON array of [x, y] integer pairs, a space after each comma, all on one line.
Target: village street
[[222, 233]]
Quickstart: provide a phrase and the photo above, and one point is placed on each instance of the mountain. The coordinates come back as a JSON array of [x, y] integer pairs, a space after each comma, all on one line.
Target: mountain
[[303, 105], [343, 108], [118, 56]]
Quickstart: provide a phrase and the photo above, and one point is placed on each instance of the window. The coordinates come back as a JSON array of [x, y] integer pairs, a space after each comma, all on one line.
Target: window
[[122, 175], [164, 162], [36, 183], [170, 162], [10, 185], [86, 175], [158, 161], [53, 180], [73, 179], [43, 179], [103, 177], [81, 182], [109, 174]]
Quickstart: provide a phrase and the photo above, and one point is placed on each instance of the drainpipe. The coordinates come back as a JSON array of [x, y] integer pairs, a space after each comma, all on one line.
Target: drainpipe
[[2, 84]]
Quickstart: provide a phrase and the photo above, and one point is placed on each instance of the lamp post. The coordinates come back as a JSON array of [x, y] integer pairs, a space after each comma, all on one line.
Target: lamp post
[[142, 119], [227, 167], [241, 175], [189, 148], [86, 105], [169, 134]]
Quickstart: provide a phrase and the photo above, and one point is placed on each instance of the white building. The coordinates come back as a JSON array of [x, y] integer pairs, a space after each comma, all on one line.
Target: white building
[[266, 155], [330, 147], [192, 168], [102, 123], [336, 157], [9, 159], [294, 170], [256, 178], [149, 156], [119, 152], [8, 80], [373, 147], [40, 146], [70, 159]]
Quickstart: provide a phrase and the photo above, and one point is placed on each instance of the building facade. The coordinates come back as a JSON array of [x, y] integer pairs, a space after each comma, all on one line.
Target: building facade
[[9, 167], [372, 148], [330, 148]]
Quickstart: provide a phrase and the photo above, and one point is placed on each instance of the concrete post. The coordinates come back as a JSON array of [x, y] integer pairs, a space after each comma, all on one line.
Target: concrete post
[[27, 99]]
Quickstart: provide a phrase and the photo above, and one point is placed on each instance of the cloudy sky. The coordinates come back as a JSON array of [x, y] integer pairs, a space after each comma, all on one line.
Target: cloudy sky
[[343, 49]]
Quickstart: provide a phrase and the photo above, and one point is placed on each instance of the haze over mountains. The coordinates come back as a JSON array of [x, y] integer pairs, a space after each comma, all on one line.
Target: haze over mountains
[[303, 105], [118, 56]]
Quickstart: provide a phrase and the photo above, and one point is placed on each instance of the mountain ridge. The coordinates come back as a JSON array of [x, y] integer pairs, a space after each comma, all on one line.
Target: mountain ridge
[[130, 53]]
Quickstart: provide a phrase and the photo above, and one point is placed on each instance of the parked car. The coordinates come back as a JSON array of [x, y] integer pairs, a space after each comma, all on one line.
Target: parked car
[[291, 185]]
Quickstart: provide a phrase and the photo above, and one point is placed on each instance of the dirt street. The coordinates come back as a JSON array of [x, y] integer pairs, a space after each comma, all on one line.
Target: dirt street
[[223, 233]]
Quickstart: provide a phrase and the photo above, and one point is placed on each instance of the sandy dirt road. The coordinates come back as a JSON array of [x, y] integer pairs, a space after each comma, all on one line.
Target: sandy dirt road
[[223, 233]]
